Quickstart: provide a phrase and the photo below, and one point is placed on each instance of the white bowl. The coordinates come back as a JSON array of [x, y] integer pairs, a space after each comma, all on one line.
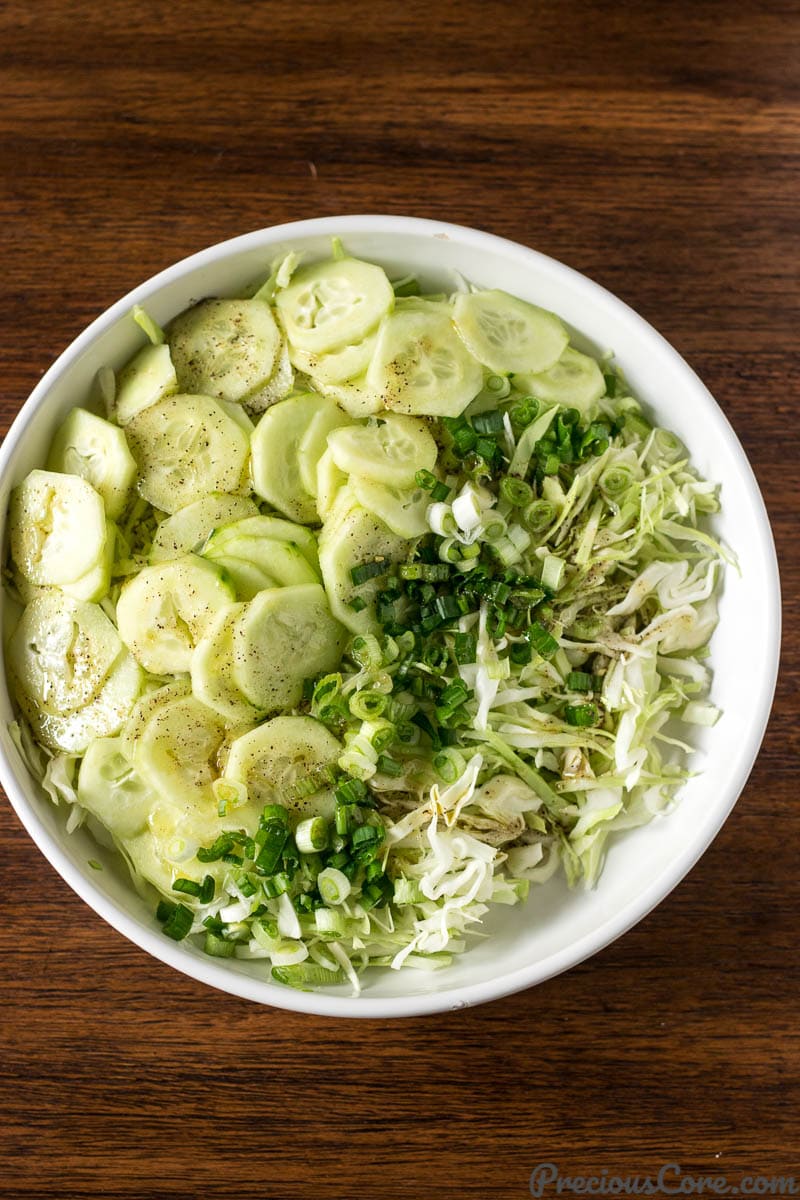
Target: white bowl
[[556, 928]]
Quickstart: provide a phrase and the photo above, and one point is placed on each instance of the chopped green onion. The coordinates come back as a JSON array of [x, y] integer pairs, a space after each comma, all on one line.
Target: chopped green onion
[[274, 812], [311, 835], [367, 704], [307, 975], [426, 480], [276, 885], [222, 846], [581, 714], [539, 515], [465, 648], [366, 651], [276, 835], [333, 886], [358, 604], [352, 791], [368, 570], [516, 491], [440, 492], [178, 922], [488, 422], [611, 385], [524, 411], [364, 834], [581, 681], [218, 947], [615, 480], [520, 653], [389, 766], [543, 642], [552, 572]]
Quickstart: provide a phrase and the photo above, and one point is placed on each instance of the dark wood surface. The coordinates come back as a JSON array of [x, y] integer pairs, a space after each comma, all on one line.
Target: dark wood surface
[[654, 146]]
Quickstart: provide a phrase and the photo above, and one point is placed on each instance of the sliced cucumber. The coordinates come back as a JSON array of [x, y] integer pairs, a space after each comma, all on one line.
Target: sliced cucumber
[[352, 536], [389, 449], [212, 670], [146, 706], [61, 653], [283, 561], [277, 387], [57, 528], [333, 304], [355, 396], [337, 367], [279, 760], [403, 510], [282, 638], [274, 528], [186, 446], [110, 789], [246, 578], [329, 480], [177, 752], [164, 611], [95, 583], [147, 378], [275, 447], [189, 528], [96, 450], [101, 717], [225, 348], [314, 442], [238, 414], [421, 366], [507, 334], [575, 381]]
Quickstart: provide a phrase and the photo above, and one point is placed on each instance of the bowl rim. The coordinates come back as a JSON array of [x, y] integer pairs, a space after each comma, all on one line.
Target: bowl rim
[[417, 1004]]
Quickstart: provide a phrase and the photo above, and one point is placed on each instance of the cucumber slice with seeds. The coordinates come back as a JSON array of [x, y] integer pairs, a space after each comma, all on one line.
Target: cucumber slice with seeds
[[272, 760], [177, 751], [275, 446], [277, 530], [421, 366], [338, 366], [186, 446], [110, 789], [330, 479], [229, 349], [507, 334], [314, 442], [390, 449], [246, 578], [57, 528], [352, 536], [575, 381], [212, 670], [188, 529], [282, 638], [147, 378], [333, 304], [164, 611], [403, 510], [96, 450], [103, 716], [284, 562], [61, 652], [144, 709]]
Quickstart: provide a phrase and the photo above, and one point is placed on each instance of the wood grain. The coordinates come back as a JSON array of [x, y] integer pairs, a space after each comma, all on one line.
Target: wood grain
[[655, 146]]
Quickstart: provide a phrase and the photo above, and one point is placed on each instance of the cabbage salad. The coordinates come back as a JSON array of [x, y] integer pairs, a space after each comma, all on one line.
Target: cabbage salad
[[346, 611]]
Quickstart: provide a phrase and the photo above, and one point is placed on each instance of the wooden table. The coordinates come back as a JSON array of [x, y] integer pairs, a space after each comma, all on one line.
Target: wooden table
[[654, 146]]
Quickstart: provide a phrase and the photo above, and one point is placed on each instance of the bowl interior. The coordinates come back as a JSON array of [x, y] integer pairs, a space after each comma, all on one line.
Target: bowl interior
[[556, 927]]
